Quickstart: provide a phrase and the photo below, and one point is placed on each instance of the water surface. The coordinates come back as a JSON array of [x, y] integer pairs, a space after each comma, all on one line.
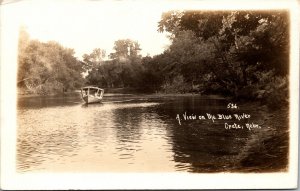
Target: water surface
[[125, 133]]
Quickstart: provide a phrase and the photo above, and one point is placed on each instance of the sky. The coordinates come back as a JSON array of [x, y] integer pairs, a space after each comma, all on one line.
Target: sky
[[86, 25]]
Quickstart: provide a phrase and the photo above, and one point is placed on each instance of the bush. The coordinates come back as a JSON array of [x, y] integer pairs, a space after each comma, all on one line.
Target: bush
[[271, 90], [277, 93], [176, 85], [50, 87]]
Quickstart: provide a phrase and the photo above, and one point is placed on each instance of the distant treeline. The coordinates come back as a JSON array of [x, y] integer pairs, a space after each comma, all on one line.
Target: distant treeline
[[243, 54]]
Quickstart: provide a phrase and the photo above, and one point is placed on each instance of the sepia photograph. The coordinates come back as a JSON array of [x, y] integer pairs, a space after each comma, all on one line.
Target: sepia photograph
[[137, 91]]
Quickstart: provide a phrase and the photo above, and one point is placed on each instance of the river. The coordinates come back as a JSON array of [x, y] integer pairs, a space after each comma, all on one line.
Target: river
[[127, 133]]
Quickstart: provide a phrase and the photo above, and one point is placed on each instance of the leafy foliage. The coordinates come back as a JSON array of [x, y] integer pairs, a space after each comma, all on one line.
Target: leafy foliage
[[229, 50], [46, 68], [123, 70], [94, 59]]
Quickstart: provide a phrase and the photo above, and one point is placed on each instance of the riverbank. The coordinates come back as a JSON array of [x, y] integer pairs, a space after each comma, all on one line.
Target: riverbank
[[267, 149], [260, 150]]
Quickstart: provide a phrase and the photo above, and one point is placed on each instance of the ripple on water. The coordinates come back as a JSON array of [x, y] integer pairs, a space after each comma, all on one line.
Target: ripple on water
[[122, 134], [62, 135]]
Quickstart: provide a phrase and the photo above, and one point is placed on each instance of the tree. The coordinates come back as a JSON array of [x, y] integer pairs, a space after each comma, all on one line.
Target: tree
[[24, 40], [128, 59], [238, 45], [126, 50], [46, 68], [124, 68], [94, 59]]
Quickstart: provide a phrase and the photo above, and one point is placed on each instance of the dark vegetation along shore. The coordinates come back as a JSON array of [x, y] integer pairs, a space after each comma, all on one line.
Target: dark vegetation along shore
[[266, 149]]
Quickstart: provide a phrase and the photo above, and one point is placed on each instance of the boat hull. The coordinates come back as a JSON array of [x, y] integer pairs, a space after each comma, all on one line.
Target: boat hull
[[91, 99]]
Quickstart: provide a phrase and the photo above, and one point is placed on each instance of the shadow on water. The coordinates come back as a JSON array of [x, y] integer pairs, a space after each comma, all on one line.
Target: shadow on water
[[206, 146], [35, 102], [199, 145], [86, 105], [128, 131]]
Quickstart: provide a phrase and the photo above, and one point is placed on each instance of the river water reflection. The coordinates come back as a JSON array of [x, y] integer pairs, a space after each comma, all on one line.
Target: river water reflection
[[125, 133]]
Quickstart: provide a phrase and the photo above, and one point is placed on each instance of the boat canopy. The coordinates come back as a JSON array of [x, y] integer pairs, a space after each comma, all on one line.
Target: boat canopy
[[91, 87]]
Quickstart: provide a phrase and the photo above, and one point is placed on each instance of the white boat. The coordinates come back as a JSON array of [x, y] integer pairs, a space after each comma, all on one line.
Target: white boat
[[92, 94]]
